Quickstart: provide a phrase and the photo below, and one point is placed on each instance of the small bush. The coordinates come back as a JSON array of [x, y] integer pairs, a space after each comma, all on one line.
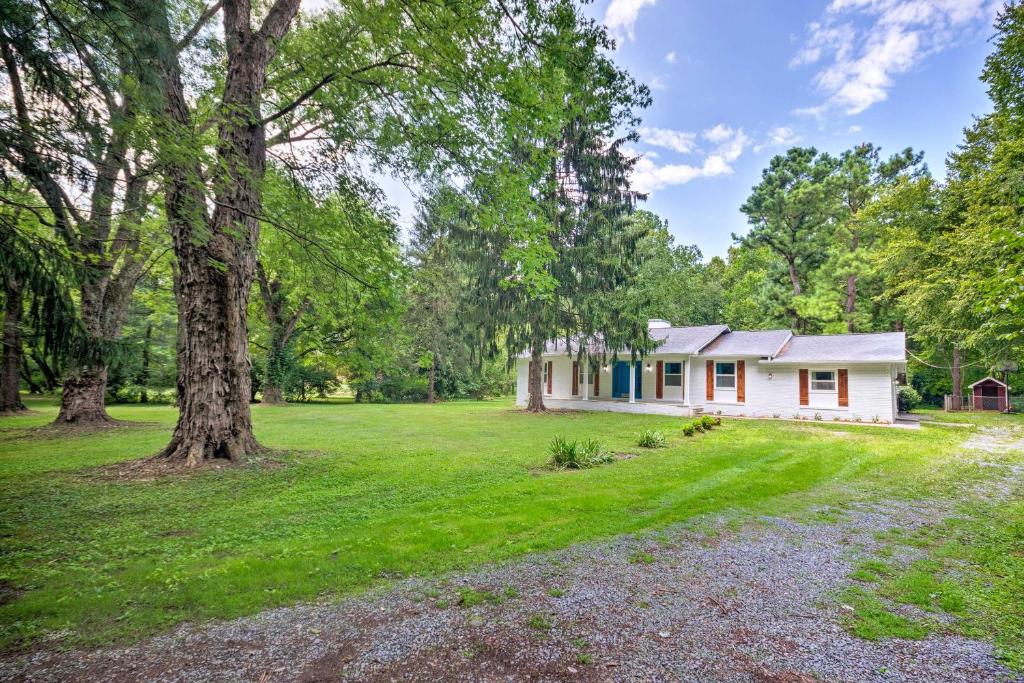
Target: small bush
[[817, 417], [577, 455], [717, 421], [708, 422], [688, 430], [651, 438], [907, 399], [698, 426]]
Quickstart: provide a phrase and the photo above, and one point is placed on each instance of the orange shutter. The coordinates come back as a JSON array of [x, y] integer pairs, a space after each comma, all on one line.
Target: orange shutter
[[804, 394], [575, 378], [597, 381], [844, 388], [741, 381], [659, 381], [550, 375], [709, 380]]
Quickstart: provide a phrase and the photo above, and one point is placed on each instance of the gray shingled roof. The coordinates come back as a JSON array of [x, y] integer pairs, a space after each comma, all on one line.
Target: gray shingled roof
[[686, 339], [881, 347], [743, 343]]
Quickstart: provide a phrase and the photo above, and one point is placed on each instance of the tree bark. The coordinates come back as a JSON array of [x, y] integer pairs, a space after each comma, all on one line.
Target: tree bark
[[431, 377], [793, 277], [10, 380], [216, 255], [536, 403], [83, 400], [851, 301], [958, 382]]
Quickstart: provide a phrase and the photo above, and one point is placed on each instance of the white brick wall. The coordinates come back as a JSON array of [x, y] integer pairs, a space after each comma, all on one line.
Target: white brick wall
[[871, 392], [871, 389]]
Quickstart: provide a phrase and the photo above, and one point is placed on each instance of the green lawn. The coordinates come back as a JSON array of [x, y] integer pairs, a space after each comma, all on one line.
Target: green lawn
[[366, 493]]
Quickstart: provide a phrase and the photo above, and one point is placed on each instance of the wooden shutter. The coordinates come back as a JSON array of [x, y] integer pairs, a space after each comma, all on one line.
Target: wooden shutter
[[659, 381], [804, 388], [597, 381], [741, 381], [844, 388], [709, 380], [550, 375], [575, 378]]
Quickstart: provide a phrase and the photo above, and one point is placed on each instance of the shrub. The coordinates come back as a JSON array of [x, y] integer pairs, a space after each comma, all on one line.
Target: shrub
[[817, 417], [577, 455], [907, 399], [698, 426], [688, 430], [708, 422], [651, 438], [717, 421]]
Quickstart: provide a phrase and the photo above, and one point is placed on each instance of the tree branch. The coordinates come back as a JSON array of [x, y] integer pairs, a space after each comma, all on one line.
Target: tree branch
[[204, 17]]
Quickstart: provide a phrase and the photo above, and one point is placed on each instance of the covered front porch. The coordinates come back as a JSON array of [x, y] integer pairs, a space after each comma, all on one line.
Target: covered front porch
[[619, 406]]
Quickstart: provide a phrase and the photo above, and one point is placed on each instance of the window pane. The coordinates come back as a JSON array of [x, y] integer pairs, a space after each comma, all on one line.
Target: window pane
[[673, 368], [823, 386], [725, 381], [725, 368], [823, 375], [673, 381]]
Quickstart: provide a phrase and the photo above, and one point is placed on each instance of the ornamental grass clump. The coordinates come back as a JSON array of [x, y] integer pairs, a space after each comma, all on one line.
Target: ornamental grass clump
[[577, 454], [651, 438]]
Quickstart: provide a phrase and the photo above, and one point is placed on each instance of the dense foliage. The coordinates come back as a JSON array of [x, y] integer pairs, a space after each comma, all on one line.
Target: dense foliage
[[180, 269]]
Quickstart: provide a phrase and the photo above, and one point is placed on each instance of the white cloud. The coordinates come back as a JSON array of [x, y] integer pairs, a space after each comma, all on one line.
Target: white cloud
[[862, 45], [620, 17], [675, 140], [650, 177], [778, 137], [854, 129], [658, 83], [719, 133], [671, 58]]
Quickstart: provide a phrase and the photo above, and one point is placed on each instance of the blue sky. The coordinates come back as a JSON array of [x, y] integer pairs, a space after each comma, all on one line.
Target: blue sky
[[735, 82]]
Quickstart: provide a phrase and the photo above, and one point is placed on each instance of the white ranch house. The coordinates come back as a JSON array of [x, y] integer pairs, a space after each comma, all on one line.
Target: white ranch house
[[712, 369]]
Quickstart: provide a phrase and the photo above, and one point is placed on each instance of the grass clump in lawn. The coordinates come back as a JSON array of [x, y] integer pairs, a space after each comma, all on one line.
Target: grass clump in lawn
[[869, 618], [578, 454], [651, 438], [641, 557], [470, 597], [540, 622]]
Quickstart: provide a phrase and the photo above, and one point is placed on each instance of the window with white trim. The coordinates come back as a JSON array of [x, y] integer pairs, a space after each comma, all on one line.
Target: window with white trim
[[544, 375], [725, 375], [823, 380], [673, 374]]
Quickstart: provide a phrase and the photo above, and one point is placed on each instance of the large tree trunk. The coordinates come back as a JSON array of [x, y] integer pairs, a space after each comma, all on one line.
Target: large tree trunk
[[536, 403], [273, 394], [958, 381], [85, 386], [10, 400], [216, 256], [83, 399]]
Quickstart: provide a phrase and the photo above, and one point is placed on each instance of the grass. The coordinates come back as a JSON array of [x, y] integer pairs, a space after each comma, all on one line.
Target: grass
[[363, 494], [973, 568]]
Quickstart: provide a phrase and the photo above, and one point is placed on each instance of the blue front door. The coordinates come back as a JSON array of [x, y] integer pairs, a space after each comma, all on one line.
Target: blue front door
[[620, 380]]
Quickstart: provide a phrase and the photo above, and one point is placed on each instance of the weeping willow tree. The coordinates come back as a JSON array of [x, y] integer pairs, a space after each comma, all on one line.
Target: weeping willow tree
[[552, 239]]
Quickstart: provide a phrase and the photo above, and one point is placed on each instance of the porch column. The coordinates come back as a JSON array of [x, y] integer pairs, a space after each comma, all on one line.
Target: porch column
[[632, 382], [686, 382], [586, 377]]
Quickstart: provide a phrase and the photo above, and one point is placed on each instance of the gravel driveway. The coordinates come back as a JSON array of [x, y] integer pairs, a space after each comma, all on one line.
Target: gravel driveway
[[755, 604]]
